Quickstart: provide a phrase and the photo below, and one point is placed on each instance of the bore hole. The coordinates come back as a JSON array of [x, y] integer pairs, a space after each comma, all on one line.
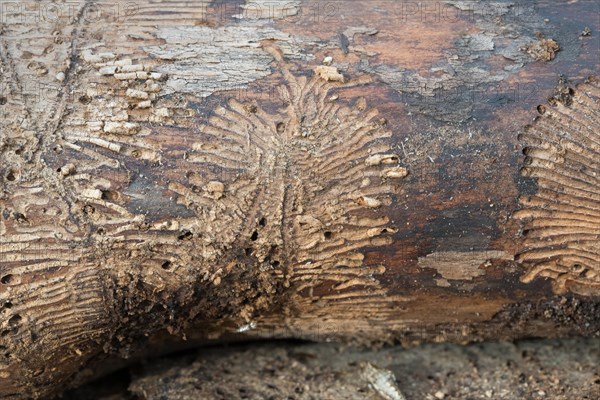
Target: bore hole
[[262, 222], [85, 99], [2, 100], [20, 218], [8, 304], [166, 265], [541, 109], [101, 231], [110, 195], [254, 236], [6, 279], [14, 320], [580, 269], [185, 235], [248, 251], [280, 127], [11, 176], [328, 235], [87, 209], [196, 189], [276, 263]]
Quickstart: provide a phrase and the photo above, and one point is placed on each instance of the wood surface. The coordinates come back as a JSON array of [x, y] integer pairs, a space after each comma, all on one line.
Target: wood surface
[[370, 172]]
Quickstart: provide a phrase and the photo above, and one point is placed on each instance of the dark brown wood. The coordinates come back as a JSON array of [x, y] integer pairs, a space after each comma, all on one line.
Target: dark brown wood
[[330, 171]]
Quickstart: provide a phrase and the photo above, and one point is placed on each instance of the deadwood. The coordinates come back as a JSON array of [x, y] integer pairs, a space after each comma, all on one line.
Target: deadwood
[[368, 172]]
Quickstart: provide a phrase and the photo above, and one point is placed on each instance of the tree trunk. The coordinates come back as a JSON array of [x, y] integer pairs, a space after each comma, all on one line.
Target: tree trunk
[[330, 171]]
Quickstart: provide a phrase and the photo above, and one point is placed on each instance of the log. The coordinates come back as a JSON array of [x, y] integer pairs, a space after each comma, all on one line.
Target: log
[[341, 171]]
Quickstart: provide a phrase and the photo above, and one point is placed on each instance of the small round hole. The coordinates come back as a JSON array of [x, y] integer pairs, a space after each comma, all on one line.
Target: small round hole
[[88, 209], [328, 235], [185, 235], [85, 99], [254, 236], [262, 222], [110, 195], [6, 279], [166, 265], [2, 100], [14, 320], [20, 218], [11, 176]]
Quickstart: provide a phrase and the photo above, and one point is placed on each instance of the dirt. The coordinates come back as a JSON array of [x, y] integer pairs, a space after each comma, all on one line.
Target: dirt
[[531, 369]]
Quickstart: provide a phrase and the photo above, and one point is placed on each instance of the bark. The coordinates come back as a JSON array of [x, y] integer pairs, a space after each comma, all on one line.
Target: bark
[[328, 171]]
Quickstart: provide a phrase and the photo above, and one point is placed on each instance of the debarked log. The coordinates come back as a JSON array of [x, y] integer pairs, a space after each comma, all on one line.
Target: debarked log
[[200, 175]]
